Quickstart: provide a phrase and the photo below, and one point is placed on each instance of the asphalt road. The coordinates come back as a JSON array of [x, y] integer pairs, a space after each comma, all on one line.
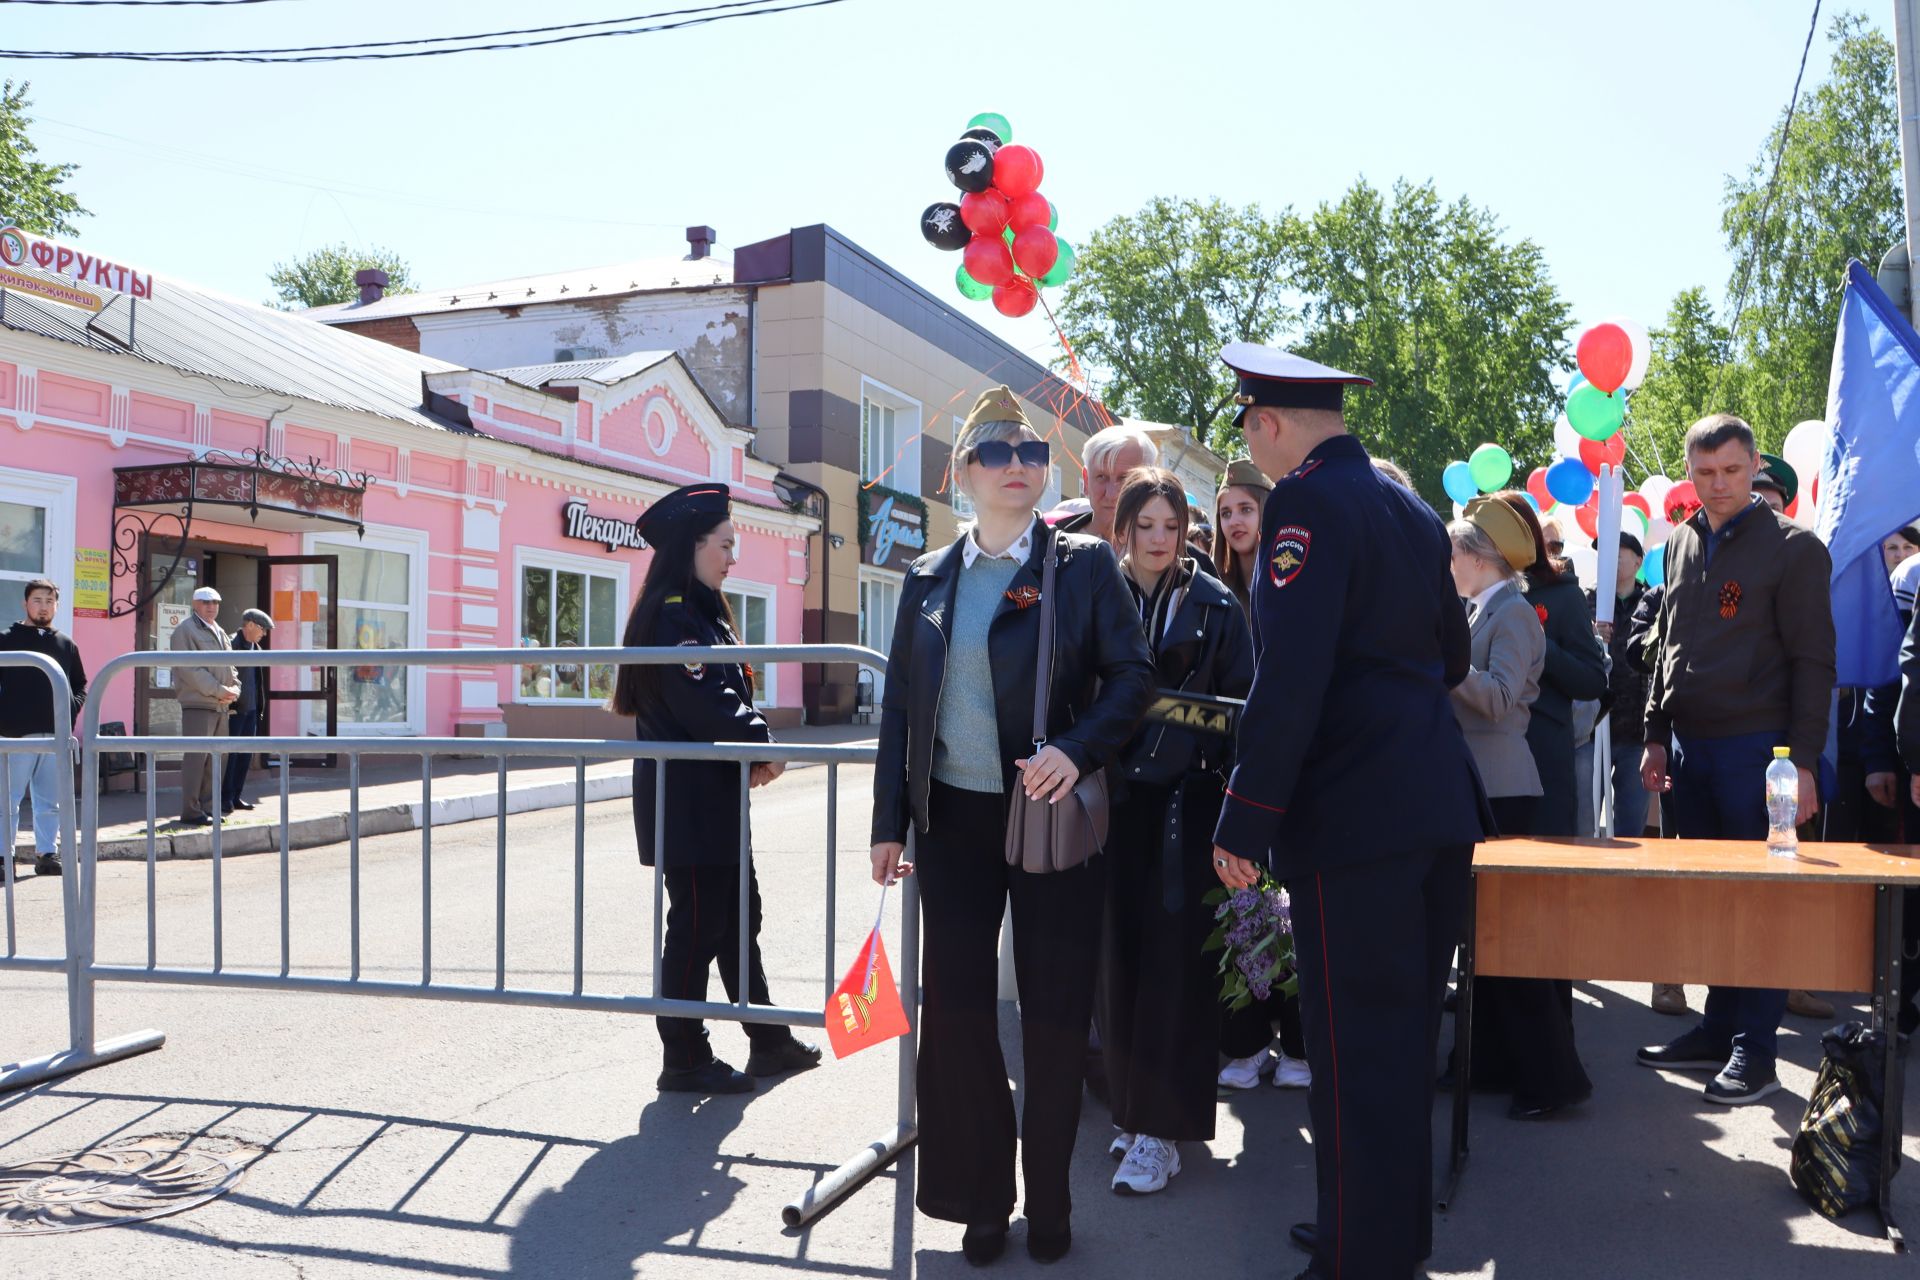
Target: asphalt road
[[467, 1140]]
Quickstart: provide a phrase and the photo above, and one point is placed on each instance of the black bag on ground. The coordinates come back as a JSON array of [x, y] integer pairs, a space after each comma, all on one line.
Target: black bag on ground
[[1836, 1154]]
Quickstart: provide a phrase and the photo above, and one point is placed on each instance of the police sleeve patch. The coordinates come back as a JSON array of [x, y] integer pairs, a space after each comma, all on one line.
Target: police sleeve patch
[[695, 670], [1288, 555]]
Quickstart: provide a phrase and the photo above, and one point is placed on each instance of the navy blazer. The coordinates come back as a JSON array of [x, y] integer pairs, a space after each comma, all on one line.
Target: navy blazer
[[1349, 750]]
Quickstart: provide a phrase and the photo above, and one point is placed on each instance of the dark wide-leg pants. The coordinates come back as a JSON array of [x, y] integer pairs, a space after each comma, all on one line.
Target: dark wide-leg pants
[[1372, 945], [703, 926], [967, 1131]]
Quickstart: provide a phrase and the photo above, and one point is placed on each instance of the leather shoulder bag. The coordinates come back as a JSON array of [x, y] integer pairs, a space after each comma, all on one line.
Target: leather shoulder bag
[[1043, 837]]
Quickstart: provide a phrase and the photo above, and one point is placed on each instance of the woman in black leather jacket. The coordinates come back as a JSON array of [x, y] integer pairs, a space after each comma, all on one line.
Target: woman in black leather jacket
[[1161, 989], [955, 739]]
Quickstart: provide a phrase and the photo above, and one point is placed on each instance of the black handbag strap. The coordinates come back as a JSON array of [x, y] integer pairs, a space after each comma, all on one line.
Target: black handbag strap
[[1043, 672]]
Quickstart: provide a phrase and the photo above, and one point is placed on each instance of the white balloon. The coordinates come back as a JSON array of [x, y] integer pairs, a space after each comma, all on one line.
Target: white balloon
[[1459, 512], [1586, 561], [1654, 489], [1804, 448], [1642, 351], [1566, 441], [1659, 529]]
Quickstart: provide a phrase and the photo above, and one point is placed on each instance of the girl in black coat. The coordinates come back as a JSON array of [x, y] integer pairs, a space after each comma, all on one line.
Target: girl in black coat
[[1162, 991], [681, 604]]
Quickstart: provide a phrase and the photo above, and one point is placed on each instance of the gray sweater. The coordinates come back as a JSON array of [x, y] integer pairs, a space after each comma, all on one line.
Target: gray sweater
[[966, 746]]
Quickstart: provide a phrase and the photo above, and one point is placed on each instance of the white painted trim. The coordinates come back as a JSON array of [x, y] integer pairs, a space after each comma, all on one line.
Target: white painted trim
[[58, 496], [524, 558], [412, 543], [910, 459], [770, 693]]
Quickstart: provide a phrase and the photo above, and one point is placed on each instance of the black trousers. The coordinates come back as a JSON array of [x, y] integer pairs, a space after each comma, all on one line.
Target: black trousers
[[703, 925], [967, 1134], [1160, 989], [1248, 1031], [241, 724], [1373, 944]]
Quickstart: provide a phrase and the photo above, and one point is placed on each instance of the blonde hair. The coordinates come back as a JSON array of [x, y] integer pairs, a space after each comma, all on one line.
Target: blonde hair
[[981, 433]]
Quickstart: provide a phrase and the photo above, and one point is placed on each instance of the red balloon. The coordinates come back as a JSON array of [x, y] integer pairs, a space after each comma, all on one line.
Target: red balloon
[[1588, 514], [1016, 298], [985, 213], [1609, 451], [1605, 353], [1682, 501], [1017, 172], [1029, 210], [987, 260], [1537, 486], [1638, 503], [1035, 250]]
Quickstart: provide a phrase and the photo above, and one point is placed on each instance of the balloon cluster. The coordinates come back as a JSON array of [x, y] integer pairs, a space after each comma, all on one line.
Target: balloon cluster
[[1002, 226]]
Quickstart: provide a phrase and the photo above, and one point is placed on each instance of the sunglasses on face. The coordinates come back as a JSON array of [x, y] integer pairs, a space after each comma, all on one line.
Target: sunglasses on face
[[995, 454], [1555, 548]]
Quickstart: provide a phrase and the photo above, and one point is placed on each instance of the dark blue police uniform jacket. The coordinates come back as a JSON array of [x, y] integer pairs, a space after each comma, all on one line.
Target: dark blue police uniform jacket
[[1349, 750]]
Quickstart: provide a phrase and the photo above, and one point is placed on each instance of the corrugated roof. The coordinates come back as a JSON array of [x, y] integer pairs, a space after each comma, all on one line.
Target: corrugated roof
[[640, 276], [196, 331], [606, 370]]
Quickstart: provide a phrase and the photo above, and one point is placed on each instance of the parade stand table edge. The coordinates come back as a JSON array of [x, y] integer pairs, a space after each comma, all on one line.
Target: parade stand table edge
[[1718, 912]]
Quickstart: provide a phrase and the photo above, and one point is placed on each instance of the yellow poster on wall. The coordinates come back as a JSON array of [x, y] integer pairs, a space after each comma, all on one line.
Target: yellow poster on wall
[[91, 582]]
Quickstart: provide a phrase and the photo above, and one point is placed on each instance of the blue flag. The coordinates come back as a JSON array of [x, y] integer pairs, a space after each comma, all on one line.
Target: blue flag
[[1870, 477]]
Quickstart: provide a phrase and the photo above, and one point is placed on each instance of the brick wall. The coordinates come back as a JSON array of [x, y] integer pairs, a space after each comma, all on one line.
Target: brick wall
[[397, 331]]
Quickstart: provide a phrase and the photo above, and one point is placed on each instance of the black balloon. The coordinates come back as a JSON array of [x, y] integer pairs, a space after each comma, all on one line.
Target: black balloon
[[981, 133], [942, 227], [970, 165]]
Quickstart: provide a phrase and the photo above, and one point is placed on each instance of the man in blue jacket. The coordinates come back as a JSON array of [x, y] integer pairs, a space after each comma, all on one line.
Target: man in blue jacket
[[1360, 634]]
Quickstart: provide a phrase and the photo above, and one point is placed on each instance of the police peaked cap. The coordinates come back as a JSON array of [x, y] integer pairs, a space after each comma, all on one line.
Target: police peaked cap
[[1271, 376], [684, 506]]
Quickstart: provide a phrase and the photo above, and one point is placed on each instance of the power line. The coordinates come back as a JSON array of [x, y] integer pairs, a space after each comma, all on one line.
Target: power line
[[265, 57]]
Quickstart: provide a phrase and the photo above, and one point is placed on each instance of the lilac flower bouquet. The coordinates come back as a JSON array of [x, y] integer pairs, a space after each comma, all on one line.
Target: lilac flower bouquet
[[1253, 931]]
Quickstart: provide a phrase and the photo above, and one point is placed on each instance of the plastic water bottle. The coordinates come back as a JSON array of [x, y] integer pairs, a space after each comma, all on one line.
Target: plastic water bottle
[[1783, 805]]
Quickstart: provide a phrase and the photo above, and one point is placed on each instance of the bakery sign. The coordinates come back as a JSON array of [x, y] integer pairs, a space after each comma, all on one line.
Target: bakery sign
[[610, 532], [893, 529], [81, 273]]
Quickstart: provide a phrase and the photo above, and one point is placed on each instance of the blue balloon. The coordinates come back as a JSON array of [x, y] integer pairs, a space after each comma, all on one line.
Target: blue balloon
[[1532, 501], [1457, 480], [1579, 380], [1653, 570], [1569, 481]]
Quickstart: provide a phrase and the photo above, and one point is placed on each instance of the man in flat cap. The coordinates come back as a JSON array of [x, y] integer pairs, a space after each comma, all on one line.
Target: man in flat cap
[[1360, 635], [249, 718], [204, 694]]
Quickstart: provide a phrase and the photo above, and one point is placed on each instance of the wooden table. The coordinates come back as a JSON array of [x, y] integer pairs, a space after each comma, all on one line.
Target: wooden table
[[1714, 912]]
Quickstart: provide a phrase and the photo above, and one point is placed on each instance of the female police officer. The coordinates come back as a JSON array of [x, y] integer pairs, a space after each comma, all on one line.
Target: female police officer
[[681, 604]]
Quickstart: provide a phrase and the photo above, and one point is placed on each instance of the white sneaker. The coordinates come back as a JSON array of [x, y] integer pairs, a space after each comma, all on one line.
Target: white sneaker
[[1291, 1073], [1245, 1073], [1147, 1167], [1121, 1144]]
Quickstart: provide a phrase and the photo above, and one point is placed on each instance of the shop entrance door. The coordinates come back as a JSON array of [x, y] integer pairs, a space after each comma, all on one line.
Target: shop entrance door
[[302, 594]]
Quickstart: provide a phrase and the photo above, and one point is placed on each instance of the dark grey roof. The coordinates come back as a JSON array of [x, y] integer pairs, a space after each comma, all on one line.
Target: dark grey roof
[[204, 333]]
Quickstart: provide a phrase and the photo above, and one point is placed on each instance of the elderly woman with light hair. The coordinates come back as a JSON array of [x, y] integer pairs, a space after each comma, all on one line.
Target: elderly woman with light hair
[[956, 737], [1105, 461]]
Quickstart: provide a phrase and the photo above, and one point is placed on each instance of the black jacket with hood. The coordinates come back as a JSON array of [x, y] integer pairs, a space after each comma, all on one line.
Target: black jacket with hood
[[26, 700]]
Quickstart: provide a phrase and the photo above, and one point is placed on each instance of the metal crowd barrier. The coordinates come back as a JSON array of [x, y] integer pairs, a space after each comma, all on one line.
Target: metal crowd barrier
[[84, 969]]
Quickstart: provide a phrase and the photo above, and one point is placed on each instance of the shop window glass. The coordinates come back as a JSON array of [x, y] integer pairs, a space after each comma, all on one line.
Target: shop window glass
[[23, 540], [376, 612], [563, 609]]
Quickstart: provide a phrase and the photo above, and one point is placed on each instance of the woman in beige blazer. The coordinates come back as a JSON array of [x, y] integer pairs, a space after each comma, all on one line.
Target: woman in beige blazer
[[1522, 1031]]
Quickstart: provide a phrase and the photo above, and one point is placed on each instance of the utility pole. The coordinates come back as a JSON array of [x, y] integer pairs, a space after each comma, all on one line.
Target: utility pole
[[1906, 52]]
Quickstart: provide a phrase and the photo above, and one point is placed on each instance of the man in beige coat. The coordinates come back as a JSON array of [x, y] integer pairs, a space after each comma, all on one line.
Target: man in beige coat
[[204, 694]]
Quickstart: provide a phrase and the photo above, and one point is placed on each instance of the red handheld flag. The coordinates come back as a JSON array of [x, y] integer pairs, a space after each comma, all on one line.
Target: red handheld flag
[[865, 1008]]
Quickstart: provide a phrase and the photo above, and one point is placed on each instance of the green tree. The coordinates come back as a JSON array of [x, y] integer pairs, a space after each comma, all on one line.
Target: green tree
[[1158, 293], [1838, 197], [325, 276], [32, 194], [1460, 330], [1687, 376]]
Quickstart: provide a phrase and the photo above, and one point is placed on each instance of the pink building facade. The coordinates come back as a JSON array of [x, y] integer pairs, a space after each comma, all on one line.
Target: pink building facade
[[369, 499]]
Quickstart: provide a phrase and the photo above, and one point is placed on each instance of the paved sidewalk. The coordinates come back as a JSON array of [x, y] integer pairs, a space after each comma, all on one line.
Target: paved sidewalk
[[464, 790]]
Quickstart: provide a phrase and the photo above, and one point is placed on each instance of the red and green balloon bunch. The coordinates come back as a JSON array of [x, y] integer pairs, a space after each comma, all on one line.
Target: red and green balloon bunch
[[1613, 359], [1002, 225]]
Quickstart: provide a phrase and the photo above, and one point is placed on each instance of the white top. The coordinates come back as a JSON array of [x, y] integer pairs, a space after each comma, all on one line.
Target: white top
[[971, 550]]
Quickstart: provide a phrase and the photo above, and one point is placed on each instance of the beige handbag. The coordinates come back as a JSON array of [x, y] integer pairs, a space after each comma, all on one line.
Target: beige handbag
[[1044, 837]]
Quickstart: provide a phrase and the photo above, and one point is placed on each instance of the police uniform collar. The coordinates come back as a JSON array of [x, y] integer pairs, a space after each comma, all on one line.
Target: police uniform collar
[[1344, 445]]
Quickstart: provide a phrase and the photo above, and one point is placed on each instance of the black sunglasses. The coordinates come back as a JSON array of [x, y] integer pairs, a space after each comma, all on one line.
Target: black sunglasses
[[995, 454], [1555, 548]]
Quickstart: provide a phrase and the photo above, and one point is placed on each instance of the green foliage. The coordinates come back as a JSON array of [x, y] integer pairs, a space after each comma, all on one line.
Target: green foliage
[[325, 276], [1838, 197], [1158, 293], [32, 194], [1460, 330], [1690, 352]]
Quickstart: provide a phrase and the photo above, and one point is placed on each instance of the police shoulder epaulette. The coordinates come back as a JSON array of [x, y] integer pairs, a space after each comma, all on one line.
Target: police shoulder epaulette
[[675, 600]]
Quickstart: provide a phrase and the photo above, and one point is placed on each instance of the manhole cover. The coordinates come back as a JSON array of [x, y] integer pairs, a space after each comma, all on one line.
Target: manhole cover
[[127, 1180]]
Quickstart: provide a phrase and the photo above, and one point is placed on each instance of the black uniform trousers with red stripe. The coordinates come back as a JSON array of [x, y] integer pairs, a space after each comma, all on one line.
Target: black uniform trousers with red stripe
[[1372, 945]]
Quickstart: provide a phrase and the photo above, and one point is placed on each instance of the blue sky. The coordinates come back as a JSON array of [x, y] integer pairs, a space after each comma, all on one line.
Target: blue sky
[[1603, 131]]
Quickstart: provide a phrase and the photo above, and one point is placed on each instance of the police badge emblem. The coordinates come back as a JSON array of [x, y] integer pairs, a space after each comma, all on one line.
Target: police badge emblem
[[1289, 554]]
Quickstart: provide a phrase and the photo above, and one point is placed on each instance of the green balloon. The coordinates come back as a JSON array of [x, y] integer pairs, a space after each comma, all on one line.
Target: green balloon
[[1062, 265], [1491, 467], [1007, 235], [1053, 216], [969, 287], [1595, 414], [995, 121]]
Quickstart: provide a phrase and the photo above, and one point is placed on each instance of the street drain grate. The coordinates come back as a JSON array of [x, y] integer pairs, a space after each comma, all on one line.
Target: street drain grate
[[127, 1180]]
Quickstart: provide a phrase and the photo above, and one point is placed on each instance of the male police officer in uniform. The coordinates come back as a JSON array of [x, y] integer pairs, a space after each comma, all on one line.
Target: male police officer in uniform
[[1360, 634]]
